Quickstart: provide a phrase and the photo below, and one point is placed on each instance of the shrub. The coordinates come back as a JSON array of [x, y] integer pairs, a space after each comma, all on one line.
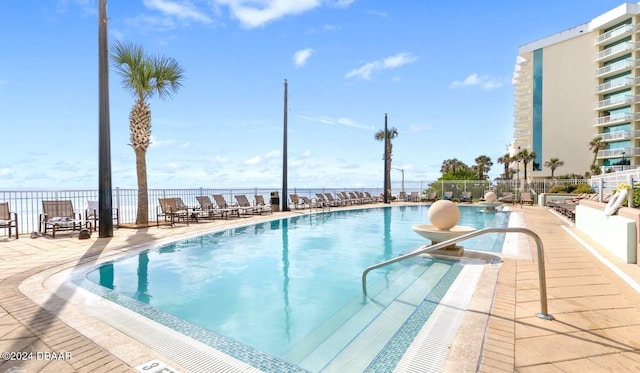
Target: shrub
[[582, 188], [560, 188]]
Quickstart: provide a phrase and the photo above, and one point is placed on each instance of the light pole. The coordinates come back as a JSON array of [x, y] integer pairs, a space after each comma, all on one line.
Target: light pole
[[402, 170], [623, 154]]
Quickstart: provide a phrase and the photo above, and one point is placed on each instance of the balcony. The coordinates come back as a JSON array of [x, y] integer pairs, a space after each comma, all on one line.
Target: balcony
[[615, 51], [613, 119], [614, 35], [616, 68], [614, 102], [618, 135], [614, 84], [613, 153]]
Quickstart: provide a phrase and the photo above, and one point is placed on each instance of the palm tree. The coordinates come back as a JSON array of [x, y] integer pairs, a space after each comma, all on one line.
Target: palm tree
[[483, 165], [525, 157], [144, 76], [553, 163], [595, 145], [392, 133], [506, 160], [452, 165]]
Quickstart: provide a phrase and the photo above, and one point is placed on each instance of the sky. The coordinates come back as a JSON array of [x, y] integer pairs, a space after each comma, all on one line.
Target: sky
[[439, 70]]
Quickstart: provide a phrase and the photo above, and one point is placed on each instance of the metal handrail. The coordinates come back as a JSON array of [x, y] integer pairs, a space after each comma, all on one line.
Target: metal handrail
[[541, 271]]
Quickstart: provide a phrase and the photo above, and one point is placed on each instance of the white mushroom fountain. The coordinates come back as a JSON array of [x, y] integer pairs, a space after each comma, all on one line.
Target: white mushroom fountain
[[443, 215], [490, 202]]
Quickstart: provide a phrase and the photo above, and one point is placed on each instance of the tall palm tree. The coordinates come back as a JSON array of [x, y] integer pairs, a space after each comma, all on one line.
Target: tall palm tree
[[595, 145], [506, 160], [525, 157], [145, 76], [483, 165], [392, 133], [553, 163], [452, 165]]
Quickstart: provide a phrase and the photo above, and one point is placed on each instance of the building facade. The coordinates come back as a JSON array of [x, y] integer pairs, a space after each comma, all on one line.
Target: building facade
[[577, 95]]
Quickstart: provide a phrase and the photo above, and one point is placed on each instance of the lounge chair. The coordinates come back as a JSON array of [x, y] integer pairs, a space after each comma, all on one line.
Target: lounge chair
[[344, 199], [362, 197], [466, 197], [507, 197], [414, 197], [298, 203], [354, 197], [260, 203], [306, 201], [8, 219], [432, 197], [324, 200], [223, 205], [171, 212], [245, 206], [333, 201], [402, 196], [58, 216], [372, 198], [207, 209], [92, 214], [448, 196], [525, 197]]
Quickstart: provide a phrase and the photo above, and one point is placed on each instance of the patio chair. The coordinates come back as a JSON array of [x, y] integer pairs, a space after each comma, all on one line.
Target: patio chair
[[224, 206], [333, 201], [448, 196], [58, 216], [8, 219], [466, 197], [372, 198], [308, 202], [170, 212], [245, 206], [92, 214], [525, 197], [262, 205], [344, 199]]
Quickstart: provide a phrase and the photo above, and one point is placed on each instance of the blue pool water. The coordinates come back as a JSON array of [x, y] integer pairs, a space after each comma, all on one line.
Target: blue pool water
[[287, 286]]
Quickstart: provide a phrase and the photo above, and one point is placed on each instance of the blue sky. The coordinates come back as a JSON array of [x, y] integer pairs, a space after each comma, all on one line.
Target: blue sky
[[441, 70]]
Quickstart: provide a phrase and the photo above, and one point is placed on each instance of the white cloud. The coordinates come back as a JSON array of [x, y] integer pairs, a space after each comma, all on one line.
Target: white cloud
[[391, 62], [339, 121], [6, 171], [300, 57], [255, 160], [377, 13], [475, 80], [256, 13], [272, 154], [179, 9]]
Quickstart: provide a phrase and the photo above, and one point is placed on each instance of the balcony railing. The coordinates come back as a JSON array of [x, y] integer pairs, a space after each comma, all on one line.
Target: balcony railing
[[613, 101], [614, 51], [625, 81], [611, 119], [618, 135], [610, 153], [612, 35], [616, 67]]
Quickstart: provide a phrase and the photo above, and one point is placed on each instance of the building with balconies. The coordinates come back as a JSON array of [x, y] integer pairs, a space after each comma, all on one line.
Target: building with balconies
[[577, 85]]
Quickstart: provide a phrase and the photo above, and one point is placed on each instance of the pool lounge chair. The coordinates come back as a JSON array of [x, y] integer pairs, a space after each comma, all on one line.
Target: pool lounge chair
[[223, 205], [448, 196], [208, 210], [245, 206], [58, 216], [333, 201], [297, 202], [260, 203], [414, 197], [8, 219], [466, 197], [507, 197], [169, 211], [525, 197], [432, 197], [372, 198]]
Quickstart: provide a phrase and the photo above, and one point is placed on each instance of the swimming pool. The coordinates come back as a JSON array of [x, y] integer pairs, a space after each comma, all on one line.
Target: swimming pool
[[286, 294]]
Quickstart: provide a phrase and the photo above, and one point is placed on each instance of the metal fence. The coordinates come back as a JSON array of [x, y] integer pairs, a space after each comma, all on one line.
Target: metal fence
[[28, 204], [606, 183]]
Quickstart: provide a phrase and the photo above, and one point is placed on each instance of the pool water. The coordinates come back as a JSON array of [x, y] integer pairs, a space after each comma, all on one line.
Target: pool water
[[292, 287]]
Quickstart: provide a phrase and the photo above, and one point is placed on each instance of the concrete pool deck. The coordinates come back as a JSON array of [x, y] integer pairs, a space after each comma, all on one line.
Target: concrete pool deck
[[597, 312]]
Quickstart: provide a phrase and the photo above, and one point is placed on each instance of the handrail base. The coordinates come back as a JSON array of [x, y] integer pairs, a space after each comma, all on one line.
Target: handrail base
[[545, 316]]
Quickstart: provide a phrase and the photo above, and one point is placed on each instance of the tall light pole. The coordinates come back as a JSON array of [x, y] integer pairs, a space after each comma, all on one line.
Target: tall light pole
[[402, 170], [104, 141], [285, 205], [386, 160], [623, 154]]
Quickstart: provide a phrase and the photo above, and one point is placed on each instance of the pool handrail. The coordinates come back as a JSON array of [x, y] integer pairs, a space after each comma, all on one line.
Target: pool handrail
[[426, 249]]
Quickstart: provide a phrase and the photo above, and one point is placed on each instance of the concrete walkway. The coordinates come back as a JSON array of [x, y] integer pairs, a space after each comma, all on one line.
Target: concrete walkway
[[596, 326]]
